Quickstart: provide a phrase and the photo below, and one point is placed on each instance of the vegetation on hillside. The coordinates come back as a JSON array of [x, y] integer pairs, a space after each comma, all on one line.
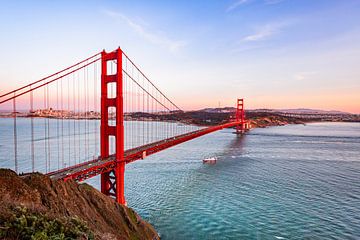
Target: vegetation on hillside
[[35, 207]]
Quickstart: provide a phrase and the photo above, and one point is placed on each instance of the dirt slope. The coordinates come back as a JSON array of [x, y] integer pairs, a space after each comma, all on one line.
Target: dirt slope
[[35, 204]]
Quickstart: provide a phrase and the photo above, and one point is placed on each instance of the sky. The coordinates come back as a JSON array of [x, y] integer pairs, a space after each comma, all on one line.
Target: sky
[[272, 53]]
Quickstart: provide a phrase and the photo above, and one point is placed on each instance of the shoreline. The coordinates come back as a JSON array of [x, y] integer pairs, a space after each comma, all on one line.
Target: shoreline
[[35, 205], [256, 122]]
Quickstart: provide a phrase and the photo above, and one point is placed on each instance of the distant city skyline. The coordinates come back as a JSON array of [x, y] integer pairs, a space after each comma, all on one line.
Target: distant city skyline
[[277, 54]]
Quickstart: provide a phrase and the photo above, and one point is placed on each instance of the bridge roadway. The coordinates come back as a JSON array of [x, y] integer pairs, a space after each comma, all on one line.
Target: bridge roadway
[[97, 166]]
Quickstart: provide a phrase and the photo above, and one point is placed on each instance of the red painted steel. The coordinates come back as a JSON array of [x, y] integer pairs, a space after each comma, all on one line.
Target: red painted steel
[[240, 116], [111, 166], [22, 91], [40, 80], [151, 82], [112, 182], [96, 167]]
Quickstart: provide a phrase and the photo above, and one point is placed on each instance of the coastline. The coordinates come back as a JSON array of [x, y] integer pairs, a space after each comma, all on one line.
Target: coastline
[[256, 122], [35, 206], [264, 122]]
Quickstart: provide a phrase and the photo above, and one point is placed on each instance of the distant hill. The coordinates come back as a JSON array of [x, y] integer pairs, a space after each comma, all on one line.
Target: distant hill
[[218, 110], [301, 110], [294, 111]]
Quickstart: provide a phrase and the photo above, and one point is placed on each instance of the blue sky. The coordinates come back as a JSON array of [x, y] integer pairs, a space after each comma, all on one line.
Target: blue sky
[[274, 53]]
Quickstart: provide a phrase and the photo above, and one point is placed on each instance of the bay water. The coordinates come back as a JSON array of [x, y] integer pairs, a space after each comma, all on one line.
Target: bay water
[[288, 182]]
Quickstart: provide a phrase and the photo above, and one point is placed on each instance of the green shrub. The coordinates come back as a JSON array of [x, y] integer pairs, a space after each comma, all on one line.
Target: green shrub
[[34, 226]]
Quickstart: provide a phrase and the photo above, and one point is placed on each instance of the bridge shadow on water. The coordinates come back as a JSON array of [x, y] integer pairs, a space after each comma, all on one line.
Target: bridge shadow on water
[[236, 146]]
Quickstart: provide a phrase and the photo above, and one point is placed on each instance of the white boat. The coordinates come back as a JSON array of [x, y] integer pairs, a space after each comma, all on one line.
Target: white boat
[[211, 160]]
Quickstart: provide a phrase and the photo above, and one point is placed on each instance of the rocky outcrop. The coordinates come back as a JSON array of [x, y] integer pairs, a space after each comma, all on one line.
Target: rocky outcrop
[[36, 205], [261, 122]]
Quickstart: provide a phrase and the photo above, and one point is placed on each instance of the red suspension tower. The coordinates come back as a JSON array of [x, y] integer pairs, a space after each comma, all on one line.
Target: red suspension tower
[[112, 183], [240, 116]]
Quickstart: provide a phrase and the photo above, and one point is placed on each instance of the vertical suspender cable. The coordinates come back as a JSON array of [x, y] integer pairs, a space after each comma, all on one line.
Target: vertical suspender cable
[[32, 131], [68, 114], [84, 107], [57, 124], [132, 109], [143, 107], [138, 109], [62, 122], [152, 125], [125, 96], [48, 126], [157, 115], [167, 121], [95, 112], [74, 121], [45, 125], [79, 115], [148, 111], [87, 112], [15, 133]]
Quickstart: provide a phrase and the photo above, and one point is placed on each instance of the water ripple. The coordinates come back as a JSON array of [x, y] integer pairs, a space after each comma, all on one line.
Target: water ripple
[[259, 189]]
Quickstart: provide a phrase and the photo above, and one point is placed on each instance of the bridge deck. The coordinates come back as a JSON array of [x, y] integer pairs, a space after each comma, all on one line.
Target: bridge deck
[[97, 166]]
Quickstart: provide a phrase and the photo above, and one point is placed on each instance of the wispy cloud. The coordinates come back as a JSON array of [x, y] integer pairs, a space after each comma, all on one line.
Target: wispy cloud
[[155, 38], [239, 3], [236, 5], [273, 1], [265, 32], [261, 34], [256, 40]]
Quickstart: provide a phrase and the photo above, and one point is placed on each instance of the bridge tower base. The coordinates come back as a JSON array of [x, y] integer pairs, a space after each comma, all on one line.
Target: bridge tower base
[[112, 182]]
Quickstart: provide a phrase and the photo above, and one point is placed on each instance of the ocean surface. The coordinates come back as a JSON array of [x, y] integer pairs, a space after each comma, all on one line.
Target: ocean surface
[[288, 182]]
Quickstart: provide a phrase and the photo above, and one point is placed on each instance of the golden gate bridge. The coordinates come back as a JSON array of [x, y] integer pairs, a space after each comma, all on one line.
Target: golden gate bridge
[[63, 137]]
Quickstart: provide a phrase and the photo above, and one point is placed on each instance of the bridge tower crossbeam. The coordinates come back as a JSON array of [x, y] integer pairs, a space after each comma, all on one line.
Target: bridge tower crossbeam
[[135, 98], [112, 182], [240, 116]]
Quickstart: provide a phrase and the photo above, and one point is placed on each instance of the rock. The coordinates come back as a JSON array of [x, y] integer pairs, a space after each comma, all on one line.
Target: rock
[[65, 205]]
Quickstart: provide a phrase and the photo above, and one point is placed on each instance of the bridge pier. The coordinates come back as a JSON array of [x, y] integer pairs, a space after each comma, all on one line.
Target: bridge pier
[[112, 182]]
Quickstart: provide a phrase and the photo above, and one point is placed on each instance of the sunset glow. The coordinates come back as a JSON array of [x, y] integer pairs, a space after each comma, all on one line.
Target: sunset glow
[[275, 54]]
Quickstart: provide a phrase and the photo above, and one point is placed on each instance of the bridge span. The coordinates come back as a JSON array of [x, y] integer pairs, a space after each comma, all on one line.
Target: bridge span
[[98, 166], [59, 111]]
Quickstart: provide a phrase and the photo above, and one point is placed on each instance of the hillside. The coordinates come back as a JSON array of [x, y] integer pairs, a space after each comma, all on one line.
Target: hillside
[[36, 207]]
